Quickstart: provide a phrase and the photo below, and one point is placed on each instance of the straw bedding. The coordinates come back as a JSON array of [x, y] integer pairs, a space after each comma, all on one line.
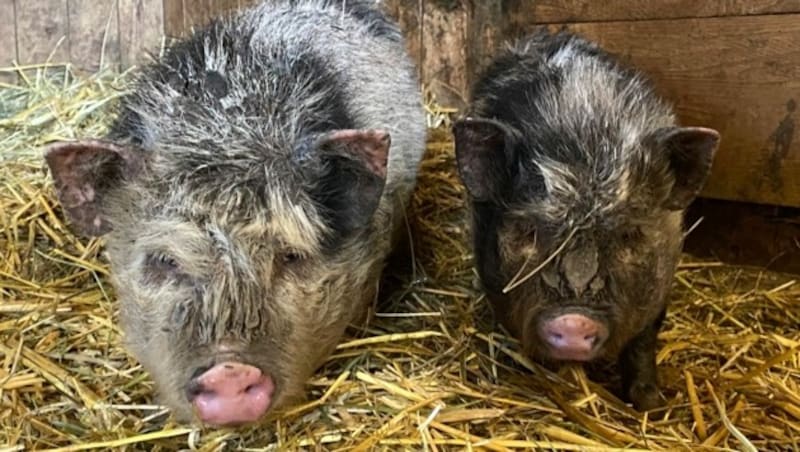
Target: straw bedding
[[429, 372]]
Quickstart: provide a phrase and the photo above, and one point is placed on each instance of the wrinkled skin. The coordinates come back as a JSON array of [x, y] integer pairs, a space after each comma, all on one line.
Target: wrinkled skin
[[576, 168], [248, 197]]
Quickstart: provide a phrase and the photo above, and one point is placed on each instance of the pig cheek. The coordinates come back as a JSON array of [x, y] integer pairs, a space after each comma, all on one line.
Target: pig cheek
[[635, 304], [319, 307], [303, 307], [515, 252], [144, 315]]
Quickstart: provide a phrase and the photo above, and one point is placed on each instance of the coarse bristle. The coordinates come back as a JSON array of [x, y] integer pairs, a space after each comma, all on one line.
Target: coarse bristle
[[429, 372]]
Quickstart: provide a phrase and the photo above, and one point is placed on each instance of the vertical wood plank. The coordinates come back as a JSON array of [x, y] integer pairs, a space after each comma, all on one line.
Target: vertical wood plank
[[174, 18], [197, 13], [41, 24], [444, 43], [225, 6], [8, 39], [487, 28], [245, 3], [408, 14], [93, 33], [141, 29]]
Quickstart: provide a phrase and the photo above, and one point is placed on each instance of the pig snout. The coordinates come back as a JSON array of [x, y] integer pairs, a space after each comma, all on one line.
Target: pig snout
[[231, 393], [573, 337]]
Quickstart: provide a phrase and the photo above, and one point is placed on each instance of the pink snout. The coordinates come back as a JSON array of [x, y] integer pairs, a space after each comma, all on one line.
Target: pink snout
[[573, 337], [231, 393]]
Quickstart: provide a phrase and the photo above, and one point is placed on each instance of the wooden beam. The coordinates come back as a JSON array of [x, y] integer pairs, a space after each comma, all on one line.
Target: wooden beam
[[93, 34], [558, 11], [42, 31], [141, 29]]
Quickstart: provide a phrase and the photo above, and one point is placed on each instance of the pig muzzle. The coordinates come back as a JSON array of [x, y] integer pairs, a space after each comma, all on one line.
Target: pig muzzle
[[231, 393], [573, 337]]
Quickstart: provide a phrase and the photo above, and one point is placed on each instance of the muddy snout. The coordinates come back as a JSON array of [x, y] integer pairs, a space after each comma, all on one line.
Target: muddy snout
[[573, 337], [230, 393]]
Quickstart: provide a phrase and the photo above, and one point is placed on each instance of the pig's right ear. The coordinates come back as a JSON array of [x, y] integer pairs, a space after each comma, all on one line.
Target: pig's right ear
[[481, 156], [83, 172]]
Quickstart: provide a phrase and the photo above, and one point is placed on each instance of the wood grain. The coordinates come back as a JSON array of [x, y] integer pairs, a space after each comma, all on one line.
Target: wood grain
[[228, 7], [41, 25], [93, 33], [487, 31], [141, 29], [197, 13], [444, 50], [8, 39], [181, 16], [739, 75], [224, 6], [174, 18], [556, 11], [408, 14]]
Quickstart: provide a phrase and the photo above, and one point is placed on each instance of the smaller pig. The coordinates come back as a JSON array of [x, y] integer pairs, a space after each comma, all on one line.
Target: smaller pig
[[579, 177]]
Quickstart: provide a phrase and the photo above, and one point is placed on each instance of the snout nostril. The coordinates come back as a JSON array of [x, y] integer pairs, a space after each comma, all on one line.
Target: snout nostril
[[194, 389]]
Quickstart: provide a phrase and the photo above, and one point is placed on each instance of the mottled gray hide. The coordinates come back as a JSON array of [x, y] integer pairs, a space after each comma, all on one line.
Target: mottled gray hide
[[579, 177], [251, 189]]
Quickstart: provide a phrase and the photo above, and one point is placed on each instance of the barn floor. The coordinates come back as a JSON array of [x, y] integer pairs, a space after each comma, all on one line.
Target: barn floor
[[428, 373]]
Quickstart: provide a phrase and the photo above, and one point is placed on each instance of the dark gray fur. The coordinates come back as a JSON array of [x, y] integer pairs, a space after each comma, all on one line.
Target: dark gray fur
[[562, 143]]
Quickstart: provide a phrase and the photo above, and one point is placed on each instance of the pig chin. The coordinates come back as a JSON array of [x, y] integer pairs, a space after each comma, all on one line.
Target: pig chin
[[541, 351], [575, 356]]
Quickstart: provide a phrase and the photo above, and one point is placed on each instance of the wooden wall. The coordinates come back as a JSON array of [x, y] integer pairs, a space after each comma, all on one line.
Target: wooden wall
[[87, 33], [729, 64]]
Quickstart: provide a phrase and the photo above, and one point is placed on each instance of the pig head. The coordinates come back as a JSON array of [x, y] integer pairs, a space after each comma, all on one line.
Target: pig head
[[231, 293]]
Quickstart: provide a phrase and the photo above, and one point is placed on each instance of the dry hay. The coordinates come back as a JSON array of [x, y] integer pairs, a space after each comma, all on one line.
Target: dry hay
[[428, 373]]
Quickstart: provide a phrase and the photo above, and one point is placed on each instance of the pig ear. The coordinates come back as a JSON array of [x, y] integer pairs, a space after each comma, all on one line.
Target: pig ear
[[83, 171], [354, 174], [691, 152], [481, 157]]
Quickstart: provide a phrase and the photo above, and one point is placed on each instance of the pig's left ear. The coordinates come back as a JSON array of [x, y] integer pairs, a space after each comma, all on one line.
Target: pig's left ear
[[690, 151], [354, 165]]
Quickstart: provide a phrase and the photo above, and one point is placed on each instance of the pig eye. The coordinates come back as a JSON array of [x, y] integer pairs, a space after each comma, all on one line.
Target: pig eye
[[290, 257], [631, 235], [159, 266]]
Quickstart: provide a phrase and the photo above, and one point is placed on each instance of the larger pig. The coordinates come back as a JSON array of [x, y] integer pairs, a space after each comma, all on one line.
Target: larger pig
[[250, 198], [579, 177]]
